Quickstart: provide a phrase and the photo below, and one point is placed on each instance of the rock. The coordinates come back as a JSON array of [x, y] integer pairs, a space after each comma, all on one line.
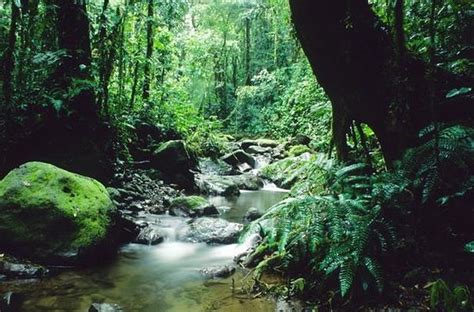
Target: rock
[[214, 167], [49, 213], [211, 231], [252, 214], [192, 206], [255, 149], [176, 162], [216, 185], [10, 302], [298, 150], [286, 172], [220, 271], [114, 193], [141, 190], [300, 139], [239, 157], [105, 307], [246, 181], [11, 267], [149, 235], [259, 142]]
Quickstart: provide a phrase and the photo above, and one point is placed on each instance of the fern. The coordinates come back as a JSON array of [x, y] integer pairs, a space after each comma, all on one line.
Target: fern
[[442, 165]]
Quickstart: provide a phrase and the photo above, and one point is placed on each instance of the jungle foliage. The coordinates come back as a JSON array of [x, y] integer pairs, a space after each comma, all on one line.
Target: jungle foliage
[[213, 71]]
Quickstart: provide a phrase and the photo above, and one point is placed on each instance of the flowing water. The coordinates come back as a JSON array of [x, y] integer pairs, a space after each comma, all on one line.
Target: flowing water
[[156, 278]]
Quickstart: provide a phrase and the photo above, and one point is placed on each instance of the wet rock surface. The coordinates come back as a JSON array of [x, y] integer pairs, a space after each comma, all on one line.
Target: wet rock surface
[[150, 235], [105, 307], [11, 267], [192, 206], [141, 190], [219, 271], [211, 231]]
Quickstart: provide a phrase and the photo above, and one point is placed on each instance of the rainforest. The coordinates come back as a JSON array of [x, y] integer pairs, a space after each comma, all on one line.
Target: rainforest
[[236, 155]]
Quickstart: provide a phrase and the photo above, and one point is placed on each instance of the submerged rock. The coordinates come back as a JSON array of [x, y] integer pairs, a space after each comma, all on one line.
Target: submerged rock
[[211, 230], [220, 271], [192, 206], [105, 307], [49, 214]]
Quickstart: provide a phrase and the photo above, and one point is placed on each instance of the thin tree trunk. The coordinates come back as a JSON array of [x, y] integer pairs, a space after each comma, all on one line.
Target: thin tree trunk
[[149, 51], [134, 86], [248, 75], [9, 60]]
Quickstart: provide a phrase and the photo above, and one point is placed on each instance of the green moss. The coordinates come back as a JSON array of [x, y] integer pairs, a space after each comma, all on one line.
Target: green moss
[[49, 209], [298, 150], [190, 202]]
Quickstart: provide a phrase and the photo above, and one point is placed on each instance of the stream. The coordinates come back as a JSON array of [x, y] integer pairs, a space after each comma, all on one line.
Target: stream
[[164, 277]]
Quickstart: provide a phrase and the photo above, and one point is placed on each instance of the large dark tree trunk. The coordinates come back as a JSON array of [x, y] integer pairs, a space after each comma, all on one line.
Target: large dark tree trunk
[[70, 135], [354, 58], [74, 38]]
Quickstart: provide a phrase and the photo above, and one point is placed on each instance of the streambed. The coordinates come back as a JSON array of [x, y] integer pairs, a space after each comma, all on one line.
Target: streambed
[[164, 277]]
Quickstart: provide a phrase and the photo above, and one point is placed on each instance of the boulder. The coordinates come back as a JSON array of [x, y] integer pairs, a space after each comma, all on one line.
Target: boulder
[[219, 271], [49, 213], [11, 267], [300, 139], [246, 181], [286, 172], [214, 167], [298, 150], [176, 163], [239, 157], [191, 206], [259, 142], [149, 235], [216, 185], [211, 231], [255, 149], [252, 214], [105, 307]]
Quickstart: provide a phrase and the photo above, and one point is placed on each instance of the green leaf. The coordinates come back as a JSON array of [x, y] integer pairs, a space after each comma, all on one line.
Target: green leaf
[[456, 92]]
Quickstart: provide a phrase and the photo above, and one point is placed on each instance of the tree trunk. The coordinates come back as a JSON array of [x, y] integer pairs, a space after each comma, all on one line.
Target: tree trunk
[[248, 75], [353, 57], [73, 37], [149, 52], [8, 59]]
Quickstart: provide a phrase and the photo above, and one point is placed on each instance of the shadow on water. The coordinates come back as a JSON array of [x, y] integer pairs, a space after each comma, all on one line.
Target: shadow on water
[[155, 278]]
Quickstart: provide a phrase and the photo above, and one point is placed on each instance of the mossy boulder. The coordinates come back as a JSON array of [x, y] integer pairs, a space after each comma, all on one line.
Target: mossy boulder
[[286, 172], [47, 213], [176, 162], [298, 150], [192, 206]]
